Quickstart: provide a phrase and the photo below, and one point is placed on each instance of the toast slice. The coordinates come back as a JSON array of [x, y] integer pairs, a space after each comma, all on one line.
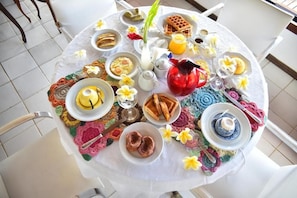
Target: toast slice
[[151, 109], [165, 104]]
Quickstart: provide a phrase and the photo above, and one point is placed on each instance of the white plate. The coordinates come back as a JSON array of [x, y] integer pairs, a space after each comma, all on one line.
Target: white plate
[[162, 21], [162, 120], [209, 133], [89, 115], [129, 22], [245, 60], [133, 58], [144, 129]]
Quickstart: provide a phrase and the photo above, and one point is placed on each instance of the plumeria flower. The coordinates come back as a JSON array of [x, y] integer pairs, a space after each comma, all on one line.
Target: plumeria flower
[[243, 82], [126, 93], [167, 133], [191, 163], [228, 63], [81, 54], [126, 80], [100, 24], [184, 136], [92, 69], [132, 29]]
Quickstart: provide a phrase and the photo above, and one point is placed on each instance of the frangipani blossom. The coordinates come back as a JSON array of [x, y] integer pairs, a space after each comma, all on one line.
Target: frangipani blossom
[[228, 63], [99, 24], [184, 136], [191, 163], [243, 82], [126, 80], [92, 69], [167, 133], [126, 93], [132, 29], [210, 51], [81, 54]]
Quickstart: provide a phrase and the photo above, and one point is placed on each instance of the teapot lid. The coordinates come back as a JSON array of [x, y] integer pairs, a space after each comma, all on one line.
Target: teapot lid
[[185, 66]]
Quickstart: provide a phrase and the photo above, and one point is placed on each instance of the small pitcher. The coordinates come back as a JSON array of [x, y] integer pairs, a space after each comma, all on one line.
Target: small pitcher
[[147, 80]]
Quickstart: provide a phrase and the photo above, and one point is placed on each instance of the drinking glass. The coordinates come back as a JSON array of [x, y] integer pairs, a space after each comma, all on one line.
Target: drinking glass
[[130, 111]]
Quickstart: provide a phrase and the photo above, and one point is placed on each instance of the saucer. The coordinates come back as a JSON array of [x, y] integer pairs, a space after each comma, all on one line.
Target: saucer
[[89, 115], [212, 137]]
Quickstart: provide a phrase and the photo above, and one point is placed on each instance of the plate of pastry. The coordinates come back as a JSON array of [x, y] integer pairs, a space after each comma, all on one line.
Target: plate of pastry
[[177, 22], [161, 108], [89, 99], [243, 65], [134, 16], [225, 126], [141, 143]]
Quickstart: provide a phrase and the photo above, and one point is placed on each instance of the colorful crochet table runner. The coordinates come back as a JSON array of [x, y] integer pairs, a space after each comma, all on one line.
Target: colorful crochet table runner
[[192, 108]]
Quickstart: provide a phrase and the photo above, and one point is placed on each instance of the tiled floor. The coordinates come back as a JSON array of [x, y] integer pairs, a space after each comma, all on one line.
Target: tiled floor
[[26, 71]]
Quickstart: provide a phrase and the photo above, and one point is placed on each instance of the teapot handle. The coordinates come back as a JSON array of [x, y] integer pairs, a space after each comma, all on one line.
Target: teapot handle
[[202, 74]]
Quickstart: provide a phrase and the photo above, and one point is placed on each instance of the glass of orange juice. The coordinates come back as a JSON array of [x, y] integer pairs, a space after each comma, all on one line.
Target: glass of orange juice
[[178, 43]]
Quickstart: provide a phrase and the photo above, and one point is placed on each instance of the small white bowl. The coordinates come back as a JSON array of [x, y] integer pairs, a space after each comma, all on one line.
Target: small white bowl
[[107, 49], [144, 129], [135, 60]]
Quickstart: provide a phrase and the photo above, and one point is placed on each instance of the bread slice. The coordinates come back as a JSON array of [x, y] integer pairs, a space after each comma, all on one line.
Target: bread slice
[[166, 104], [151, 109]]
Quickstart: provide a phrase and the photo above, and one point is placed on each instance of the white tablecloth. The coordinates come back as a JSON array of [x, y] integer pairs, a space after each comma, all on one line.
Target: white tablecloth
[[167, 173]]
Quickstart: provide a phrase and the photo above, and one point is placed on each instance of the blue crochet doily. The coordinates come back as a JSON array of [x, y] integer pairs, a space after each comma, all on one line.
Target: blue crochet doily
[[200, 99]]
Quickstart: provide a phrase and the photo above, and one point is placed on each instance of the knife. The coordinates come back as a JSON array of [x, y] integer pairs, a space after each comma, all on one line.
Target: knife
[[104, 132], [240, 106]]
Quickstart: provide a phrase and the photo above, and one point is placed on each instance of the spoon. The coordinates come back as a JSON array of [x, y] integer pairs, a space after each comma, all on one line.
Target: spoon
[[208, 155]]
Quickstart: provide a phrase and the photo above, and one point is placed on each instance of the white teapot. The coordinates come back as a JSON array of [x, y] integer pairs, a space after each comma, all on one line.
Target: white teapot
[[147, 80]]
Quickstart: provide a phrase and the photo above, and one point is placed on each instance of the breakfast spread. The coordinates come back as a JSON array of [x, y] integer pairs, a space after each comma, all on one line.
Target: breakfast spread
[[134, 15], [177, 23], [121, 65], [143, 144], [160, 106], [106, 40], [89, 98]]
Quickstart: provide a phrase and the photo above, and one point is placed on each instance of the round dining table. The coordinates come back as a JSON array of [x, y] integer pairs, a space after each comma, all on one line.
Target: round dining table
[[167, 173]]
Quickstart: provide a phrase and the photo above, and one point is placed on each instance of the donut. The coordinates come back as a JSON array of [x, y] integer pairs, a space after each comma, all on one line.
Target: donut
[[146, 147], [133, 141]]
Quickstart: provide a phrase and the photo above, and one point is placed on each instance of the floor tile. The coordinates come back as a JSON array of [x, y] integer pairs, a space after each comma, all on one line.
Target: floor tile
[[9, 96], [273, 89], [49, 68], [38, 101], [45, 51], [288, 152], [276, 75], [28, 136], [292, 89], [3, 76], [6, 32], [30, 83], [277, 120], [265, 147], [19, 65], [11, 48], [45, 125], [280, 159], [11, 114], [282, 105], [2, 153], [36, 36], [271, 138], [25, 24]]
